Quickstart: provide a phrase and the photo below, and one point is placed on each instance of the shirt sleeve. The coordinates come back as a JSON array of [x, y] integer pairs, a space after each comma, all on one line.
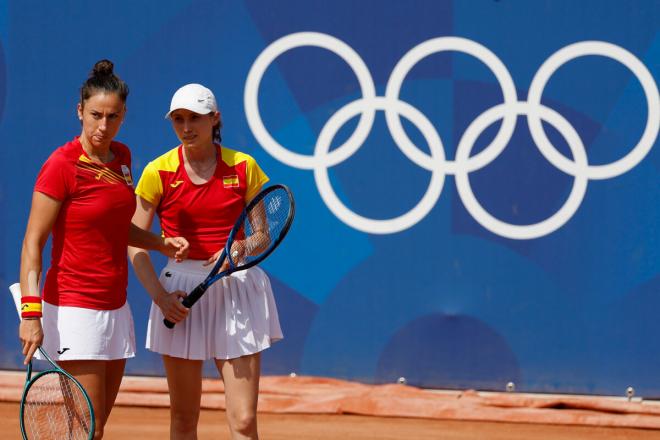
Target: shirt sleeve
[[150, 186], [255, 177], [56, 178]]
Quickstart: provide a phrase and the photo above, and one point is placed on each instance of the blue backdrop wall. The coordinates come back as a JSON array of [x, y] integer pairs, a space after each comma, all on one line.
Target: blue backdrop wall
[[477, 180]]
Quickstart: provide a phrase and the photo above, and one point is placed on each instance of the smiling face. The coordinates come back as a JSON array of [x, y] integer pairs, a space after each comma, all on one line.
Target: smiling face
[[193, 129], [101, 116]]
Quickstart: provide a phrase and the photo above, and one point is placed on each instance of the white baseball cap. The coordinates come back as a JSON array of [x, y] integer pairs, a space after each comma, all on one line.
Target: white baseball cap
[[193, 97]]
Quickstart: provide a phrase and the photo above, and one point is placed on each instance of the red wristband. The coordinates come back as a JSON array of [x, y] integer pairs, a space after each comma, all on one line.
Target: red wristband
[[30, 307]]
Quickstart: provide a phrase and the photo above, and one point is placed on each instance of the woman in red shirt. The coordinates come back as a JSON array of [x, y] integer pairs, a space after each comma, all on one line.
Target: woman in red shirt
[[84, 197], [198, 189]]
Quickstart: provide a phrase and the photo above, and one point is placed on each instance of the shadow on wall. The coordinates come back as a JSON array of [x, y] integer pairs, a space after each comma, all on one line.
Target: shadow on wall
[[448, 351]]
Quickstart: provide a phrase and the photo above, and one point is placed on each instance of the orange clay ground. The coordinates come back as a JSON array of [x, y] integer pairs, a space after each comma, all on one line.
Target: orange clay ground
[[152, 424], [319, 408]]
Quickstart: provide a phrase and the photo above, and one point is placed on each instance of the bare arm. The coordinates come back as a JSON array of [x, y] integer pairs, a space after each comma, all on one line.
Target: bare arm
[[43, 215], [168, 302], [253, 245], [258, 241], [175, 247]]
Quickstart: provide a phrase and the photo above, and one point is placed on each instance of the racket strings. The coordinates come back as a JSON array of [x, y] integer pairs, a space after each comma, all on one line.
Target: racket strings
[[55, 408], [264, 223]]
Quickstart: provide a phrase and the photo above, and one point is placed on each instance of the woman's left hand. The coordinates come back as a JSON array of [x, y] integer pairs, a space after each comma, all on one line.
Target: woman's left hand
[[214, 258], [237, 249], [176, 247], [31, 335]]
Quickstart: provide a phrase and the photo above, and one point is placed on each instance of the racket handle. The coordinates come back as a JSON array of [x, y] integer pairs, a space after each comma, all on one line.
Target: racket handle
[[194, 296], [188, 302]]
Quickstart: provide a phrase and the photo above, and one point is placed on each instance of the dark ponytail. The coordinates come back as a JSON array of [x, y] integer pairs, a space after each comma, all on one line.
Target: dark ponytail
[[216, 131], [103, 80]]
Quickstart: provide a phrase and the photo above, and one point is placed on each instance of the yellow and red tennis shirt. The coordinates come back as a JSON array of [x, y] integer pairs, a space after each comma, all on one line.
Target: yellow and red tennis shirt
[[88, 264], [203, 214]]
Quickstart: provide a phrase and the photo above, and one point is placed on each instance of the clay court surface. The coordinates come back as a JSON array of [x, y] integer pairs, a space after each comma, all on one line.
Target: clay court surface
[[314, 408], [151, 424]]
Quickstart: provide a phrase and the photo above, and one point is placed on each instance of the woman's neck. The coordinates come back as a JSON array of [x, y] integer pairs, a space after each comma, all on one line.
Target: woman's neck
[[201, 154], [200, 163], [101, 154]]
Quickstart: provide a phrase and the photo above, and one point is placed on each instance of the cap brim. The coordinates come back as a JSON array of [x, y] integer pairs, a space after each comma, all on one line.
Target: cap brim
[[199, 110]]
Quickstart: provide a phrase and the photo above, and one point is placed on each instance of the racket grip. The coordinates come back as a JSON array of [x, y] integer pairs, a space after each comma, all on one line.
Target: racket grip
[[188, 302], [195, 295]]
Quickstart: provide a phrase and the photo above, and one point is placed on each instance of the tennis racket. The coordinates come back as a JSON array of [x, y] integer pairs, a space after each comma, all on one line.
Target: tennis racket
[[260, 228], [55, 406]]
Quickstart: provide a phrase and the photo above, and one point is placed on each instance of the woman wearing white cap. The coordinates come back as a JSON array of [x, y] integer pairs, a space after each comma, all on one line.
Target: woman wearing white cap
[[198, 189]]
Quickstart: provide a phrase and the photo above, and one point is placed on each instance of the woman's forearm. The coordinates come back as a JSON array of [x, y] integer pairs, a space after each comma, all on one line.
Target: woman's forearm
[[145, 272], [30, 272], [140, 238]]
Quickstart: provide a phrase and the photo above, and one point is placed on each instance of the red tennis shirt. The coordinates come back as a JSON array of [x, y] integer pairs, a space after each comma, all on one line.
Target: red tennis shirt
[[203, 214], [88, 264]]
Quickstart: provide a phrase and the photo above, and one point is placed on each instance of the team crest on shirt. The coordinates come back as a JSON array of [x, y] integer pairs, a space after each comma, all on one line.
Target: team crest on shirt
[[127, 174], [230, 181]]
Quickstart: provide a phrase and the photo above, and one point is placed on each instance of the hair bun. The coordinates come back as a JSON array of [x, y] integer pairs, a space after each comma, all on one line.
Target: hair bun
[[103, 68], [102, 79]]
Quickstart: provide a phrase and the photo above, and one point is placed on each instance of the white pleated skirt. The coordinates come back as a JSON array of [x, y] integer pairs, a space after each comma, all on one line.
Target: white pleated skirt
[[237, 315]]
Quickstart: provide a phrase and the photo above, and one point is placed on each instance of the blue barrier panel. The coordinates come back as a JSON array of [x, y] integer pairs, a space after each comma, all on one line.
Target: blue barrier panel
[[476, 181]]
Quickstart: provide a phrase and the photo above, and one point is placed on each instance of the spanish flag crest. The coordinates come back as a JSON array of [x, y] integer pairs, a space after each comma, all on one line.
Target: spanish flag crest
[[230, 181]]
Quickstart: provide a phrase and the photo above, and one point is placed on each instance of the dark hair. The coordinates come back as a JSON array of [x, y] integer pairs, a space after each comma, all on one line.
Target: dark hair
[[103, 80], [216, 130]]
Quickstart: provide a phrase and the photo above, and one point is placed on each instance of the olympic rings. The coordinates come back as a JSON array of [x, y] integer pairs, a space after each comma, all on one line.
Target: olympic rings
[[436, 162], [435, 186], [471, 48], [252, 100], [621, 55], [499, 227]]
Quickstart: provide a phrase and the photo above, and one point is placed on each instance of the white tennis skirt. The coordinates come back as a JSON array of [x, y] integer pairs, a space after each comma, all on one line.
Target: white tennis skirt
[[76, 333], [237, 315]]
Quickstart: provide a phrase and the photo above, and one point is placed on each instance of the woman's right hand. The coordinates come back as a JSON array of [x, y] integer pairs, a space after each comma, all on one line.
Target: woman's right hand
[[176, 247], [170, 305], [31, 335]]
